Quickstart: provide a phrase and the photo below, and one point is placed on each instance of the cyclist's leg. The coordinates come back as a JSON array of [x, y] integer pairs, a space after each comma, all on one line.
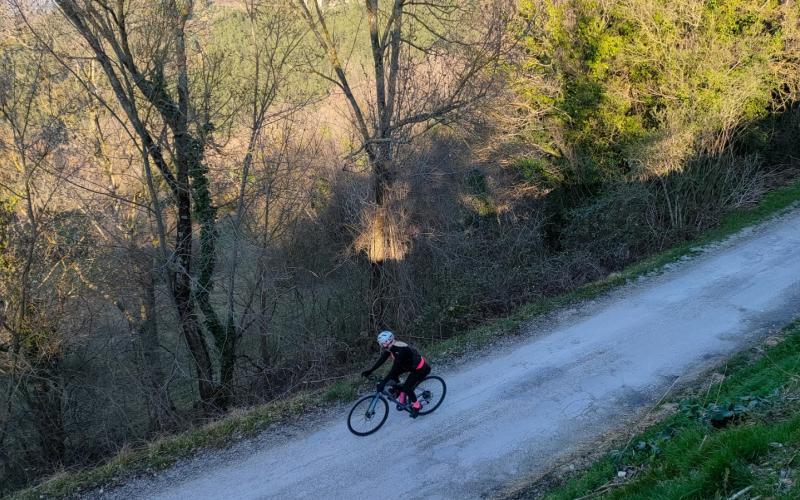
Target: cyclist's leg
[[394, 384], [401, 395], [413, 379]]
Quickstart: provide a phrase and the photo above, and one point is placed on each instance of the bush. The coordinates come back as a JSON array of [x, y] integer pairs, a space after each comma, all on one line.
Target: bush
[[615, 227], [632, 219]]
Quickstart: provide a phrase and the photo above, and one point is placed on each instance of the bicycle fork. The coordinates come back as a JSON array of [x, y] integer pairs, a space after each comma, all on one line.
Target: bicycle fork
[[372, 405]]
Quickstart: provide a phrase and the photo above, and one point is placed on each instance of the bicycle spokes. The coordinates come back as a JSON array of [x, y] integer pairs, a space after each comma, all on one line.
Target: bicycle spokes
[[430, 391], [367, 415]]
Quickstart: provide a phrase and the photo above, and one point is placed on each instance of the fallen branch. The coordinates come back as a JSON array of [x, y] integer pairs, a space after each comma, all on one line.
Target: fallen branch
[[740, 493]]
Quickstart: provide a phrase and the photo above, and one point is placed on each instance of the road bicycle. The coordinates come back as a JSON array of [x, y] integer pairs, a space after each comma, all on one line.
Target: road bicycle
[[370, 412]]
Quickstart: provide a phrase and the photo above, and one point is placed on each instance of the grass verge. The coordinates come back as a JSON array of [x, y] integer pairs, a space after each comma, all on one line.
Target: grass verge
[[164, 452], [740, 436]]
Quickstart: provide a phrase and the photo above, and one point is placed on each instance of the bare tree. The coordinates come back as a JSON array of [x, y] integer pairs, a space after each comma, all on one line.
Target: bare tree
[[431, 62], [142, 50], [274, 39]]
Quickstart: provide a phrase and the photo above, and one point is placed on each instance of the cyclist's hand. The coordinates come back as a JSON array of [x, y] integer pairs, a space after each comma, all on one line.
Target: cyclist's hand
[[366, 373]]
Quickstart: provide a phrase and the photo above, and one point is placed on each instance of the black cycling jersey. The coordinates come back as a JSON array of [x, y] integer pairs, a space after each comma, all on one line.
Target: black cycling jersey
[[406, 359]]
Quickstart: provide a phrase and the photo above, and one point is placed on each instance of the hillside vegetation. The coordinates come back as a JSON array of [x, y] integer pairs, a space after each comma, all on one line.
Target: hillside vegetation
[[208, 205]]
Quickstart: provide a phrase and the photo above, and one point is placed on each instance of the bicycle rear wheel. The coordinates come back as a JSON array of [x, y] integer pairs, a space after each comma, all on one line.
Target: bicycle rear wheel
[[366, 417], [430, 393]]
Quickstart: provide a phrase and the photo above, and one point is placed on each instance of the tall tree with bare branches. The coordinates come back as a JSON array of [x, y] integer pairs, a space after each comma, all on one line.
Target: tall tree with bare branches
[[431, 62], [143, 50]]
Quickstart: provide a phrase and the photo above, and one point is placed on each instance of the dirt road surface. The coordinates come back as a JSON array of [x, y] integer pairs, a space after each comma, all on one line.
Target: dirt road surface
[[520, 407]]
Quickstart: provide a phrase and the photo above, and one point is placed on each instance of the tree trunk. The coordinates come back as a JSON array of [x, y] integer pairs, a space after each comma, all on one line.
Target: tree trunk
[[188, 164], [224, 335], [383, 237], [183, 295], [228, 362]]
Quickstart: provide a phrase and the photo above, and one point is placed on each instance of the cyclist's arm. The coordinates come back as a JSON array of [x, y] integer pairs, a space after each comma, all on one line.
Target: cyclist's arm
[[381, 360]]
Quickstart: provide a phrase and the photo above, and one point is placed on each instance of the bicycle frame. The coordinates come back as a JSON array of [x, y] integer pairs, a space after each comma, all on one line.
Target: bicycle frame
[[386, 394]]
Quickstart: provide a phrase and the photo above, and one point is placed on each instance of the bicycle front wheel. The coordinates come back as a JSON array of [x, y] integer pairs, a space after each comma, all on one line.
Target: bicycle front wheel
[[430, 393], [367, 415]]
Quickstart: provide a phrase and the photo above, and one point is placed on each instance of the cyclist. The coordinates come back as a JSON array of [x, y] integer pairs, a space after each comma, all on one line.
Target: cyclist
[[406, 359]]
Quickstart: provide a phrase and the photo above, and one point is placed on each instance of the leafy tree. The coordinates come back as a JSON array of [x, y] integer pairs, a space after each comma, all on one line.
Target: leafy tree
[[640, 85]]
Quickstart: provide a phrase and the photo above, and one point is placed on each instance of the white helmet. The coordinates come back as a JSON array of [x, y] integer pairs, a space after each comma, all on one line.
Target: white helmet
[[386, 339]]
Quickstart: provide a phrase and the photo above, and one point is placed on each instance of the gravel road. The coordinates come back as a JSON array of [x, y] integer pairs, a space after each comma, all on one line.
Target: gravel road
[[520, 407]]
